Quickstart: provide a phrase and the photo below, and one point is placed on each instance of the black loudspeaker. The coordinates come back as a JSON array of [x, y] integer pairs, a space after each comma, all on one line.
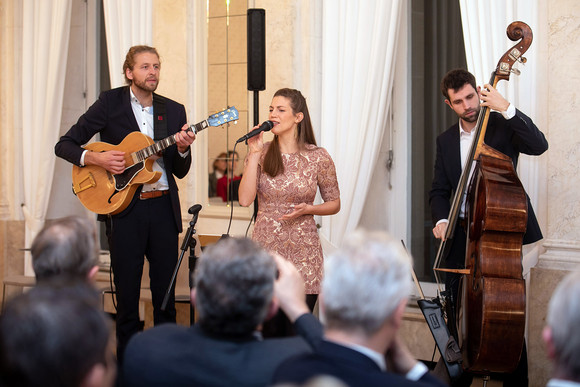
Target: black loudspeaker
[[256, 49]]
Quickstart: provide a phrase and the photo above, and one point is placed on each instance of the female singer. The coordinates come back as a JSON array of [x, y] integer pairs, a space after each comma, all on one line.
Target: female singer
[[285, 174]]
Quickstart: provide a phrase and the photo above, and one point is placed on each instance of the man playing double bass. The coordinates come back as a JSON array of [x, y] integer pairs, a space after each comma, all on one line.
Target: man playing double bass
[[509, 131]]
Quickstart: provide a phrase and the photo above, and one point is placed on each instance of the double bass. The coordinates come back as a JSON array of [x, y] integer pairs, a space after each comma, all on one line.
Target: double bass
[[490, 320]]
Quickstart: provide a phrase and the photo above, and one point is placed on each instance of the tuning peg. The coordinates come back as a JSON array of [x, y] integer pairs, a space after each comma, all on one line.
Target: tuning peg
[[515, 71], [522, 60]]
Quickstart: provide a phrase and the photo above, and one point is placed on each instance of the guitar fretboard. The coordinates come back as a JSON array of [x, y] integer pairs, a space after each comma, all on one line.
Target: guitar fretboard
[[160, 145]]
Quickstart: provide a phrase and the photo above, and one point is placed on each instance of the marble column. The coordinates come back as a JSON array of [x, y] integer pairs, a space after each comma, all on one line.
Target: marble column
[[562, 232]]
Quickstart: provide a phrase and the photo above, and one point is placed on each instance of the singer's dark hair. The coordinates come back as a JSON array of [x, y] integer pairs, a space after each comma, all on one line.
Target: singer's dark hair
[[273, 165]]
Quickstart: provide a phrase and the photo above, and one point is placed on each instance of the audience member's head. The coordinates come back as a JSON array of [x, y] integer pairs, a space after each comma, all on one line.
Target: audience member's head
[[66, 247], [561, 331], [365, 283], [234, 285], [56, 335], [220, 163]]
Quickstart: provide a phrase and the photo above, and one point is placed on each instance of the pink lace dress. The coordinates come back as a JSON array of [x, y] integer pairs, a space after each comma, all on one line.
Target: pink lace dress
[[296, 239]]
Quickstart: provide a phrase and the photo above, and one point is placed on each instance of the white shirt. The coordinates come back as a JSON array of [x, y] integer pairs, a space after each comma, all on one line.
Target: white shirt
[[144, 117], [562, 383]]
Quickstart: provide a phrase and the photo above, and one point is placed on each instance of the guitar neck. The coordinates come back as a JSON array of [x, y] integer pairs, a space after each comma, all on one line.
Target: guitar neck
[[161, 145]]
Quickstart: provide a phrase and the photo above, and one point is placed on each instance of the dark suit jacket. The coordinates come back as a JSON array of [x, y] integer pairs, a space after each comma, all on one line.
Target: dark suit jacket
[[112, 117], [511, 137], [348, 365], [172, 355]]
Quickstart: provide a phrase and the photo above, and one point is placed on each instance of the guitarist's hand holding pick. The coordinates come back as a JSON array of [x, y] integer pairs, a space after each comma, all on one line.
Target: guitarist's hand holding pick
[[113, 160], [184, 139]]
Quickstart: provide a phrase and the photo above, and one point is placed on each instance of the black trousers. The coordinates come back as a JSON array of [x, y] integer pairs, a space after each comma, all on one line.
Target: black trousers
[[147, 230]]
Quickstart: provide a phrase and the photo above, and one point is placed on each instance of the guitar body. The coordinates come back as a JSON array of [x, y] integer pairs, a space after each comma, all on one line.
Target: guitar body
[[104, 193]]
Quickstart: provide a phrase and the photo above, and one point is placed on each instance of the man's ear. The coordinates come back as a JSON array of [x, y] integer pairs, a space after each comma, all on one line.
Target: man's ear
[[272, 308], [448, 103], [549, 342], [95, 377], [398, 314], [92, 274]]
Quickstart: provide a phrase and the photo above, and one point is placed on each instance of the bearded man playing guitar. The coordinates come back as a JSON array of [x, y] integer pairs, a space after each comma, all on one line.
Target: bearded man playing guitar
[[150, 224]]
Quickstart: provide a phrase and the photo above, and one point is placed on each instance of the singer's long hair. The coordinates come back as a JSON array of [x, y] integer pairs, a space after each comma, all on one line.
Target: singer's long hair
[[273, 164]]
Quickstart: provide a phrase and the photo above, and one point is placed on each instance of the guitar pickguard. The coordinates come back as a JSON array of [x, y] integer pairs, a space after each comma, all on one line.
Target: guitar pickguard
[[122, 180]]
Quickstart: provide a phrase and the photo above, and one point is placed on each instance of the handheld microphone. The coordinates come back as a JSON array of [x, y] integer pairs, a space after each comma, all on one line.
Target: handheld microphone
[[266, 126]]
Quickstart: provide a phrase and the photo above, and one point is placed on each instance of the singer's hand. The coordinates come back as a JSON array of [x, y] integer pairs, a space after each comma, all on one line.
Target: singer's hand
[[299, 210], [256, 143]]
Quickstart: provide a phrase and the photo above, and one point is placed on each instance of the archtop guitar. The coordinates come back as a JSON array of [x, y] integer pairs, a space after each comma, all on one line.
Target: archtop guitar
[[105, 193]]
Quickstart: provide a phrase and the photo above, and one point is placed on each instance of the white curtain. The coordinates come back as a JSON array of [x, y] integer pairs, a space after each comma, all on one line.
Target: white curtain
[[484, 31], [358, 45], [45, 38], [127, 23]]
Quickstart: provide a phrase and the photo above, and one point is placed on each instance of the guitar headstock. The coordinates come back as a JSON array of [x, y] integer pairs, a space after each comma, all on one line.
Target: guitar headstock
[[225, 116]]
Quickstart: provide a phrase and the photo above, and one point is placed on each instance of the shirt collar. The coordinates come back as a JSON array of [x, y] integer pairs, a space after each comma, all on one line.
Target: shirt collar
[[463, 133], [373, 355], [561, 383], [136, 102]]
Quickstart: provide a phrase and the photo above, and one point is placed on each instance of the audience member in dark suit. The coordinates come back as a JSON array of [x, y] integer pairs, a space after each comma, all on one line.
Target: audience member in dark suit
[[151, 223], [365, 289], [236, 290], [56, 335], [66, 247], [561, 333]]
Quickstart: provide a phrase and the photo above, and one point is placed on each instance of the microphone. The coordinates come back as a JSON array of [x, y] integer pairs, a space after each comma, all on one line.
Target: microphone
[[194, 209], [266, 126]]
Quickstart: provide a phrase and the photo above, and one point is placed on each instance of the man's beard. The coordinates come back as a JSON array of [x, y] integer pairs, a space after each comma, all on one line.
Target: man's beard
[[146, 86], [472, 118]]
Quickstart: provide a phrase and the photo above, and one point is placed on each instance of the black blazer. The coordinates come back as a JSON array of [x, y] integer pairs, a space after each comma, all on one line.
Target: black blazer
[[112, 117], [173, 355], [511, 137], [348, 365]]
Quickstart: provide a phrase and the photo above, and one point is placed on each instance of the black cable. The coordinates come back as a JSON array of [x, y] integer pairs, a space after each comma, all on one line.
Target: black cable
[[230, 193]]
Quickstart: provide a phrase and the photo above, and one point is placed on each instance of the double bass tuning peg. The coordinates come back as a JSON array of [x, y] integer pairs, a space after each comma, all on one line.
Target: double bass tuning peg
[[515, 71]]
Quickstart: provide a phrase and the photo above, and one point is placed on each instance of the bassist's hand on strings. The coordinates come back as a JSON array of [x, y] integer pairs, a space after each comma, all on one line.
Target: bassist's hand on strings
[[492, 99], [440, 230], [113, 160], [184, 139]]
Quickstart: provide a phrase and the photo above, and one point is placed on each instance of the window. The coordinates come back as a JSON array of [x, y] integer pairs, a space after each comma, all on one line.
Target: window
[[227, 86], [436, 47]]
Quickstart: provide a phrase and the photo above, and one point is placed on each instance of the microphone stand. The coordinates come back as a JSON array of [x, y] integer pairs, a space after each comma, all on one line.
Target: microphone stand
[[191, 242]]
